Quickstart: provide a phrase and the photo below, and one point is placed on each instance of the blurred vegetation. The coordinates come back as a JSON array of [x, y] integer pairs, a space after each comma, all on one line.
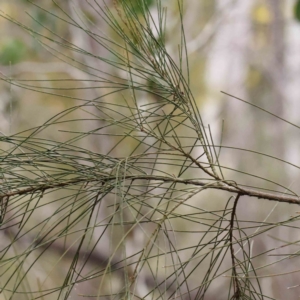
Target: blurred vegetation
[[12, 51], [297, 10]]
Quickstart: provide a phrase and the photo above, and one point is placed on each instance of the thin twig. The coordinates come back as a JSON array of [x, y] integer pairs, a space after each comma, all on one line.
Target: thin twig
[[236, 288], [205, 185]]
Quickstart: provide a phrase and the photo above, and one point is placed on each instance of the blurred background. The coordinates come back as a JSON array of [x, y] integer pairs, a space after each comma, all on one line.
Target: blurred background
[[247, 48]]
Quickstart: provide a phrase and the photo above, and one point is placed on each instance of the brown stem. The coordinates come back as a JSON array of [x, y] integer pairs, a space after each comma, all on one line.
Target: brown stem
[[286, 198], [234, 273]]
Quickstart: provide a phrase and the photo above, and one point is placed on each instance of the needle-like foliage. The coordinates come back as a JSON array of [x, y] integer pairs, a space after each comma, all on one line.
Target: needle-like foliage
[[124, 219]]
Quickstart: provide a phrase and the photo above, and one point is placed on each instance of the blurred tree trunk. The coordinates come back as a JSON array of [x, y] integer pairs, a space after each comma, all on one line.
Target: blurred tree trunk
[[276, 68]]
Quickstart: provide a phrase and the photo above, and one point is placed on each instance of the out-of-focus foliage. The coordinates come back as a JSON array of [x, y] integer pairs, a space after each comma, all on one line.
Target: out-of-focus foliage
[[12, 51], [138, 6], [297, 10], [262, 14]]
